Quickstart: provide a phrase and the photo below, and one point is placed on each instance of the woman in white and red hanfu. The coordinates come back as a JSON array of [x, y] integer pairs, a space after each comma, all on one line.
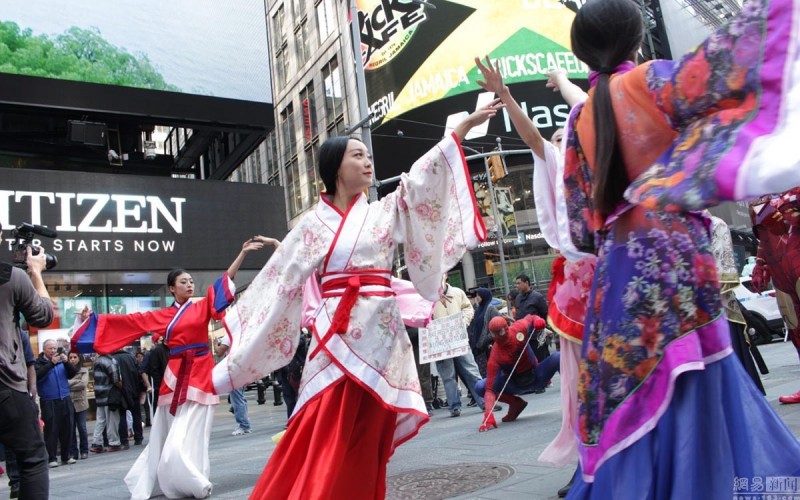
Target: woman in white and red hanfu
[[359, 396], [175, 462]]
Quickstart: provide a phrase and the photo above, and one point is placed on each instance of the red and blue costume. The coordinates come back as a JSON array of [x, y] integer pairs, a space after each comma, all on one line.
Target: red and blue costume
[[512, 347], [776, 222]]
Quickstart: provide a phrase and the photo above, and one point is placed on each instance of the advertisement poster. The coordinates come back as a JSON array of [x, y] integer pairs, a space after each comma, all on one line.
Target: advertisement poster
[[420, 69]]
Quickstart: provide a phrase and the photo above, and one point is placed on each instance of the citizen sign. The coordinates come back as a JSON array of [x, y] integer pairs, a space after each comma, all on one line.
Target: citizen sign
[[131, 213], [123, 222]]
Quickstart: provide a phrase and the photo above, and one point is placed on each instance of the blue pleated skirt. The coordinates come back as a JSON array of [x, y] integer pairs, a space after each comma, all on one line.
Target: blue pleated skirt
[[719, 438]]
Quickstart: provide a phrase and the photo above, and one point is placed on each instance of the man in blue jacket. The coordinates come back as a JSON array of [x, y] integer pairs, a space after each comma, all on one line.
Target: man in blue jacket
[[52, 380]]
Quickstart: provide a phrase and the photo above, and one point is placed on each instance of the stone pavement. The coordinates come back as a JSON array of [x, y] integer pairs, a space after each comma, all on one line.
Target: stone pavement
[[452, 444]]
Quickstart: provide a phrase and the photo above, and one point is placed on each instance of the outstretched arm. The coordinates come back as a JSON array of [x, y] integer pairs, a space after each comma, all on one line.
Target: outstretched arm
[[525, 128]]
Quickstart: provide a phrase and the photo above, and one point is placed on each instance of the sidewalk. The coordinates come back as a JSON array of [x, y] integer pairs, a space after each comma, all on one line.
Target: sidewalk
[[453, 443]]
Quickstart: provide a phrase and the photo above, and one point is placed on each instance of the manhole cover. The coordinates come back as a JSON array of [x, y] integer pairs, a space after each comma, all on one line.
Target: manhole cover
[[445, 482]]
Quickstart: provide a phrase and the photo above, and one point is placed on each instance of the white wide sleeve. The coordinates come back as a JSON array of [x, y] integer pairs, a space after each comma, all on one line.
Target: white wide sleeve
[[265, 322], [436, 217]]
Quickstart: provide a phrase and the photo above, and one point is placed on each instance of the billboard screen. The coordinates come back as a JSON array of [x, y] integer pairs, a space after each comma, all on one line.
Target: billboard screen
[[419, 67], [138, 223], [167, 57]]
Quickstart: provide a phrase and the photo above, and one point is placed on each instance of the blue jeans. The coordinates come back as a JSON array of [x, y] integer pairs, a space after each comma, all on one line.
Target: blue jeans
[[466, 368], [544, 372], [239, 405], [80, 424]]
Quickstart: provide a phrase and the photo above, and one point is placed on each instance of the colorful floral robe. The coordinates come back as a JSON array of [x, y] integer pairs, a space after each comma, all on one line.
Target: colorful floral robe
[[717, 125], [432, 213]]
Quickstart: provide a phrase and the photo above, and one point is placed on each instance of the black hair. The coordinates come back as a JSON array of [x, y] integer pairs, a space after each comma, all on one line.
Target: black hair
[[331, 154], [606, 33], [524, 278], [173, 276]]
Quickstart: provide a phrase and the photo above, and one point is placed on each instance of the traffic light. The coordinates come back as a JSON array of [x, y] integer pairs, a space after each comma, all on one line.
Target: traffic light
[[497, 170]]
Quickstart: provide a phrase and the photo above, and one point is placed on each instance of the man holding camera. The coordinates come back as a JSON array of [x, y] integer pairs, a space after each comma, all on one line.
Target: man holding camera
[[19, 426], [52, 380]]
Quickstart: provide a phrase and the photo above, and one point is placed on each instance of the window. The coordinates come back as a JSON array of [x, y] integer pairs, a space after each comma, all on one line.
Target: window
[[309, 115], [301, 41], [334, 102], [280, 62], [314, 183], [293, 188], [272, 163], [280, 46], [326, 19], [288, 132], [278, 26]]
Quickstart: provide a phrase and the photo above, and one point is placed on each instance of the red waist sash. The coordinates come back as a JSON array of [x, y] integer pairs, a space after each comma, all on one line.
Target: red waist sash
[[186, 353], [348, 286]]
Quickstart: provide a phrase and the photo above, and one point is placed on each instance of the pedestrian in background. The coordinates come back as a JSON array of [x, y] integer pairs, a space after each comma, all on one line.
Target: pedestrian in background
[[237, 396], [80, 403], [52, 379]]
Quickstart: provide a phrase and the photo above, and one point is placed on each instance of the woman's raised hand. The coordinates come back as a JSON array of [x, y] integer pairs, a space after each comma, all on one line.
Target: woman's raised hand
[[85, 313], [257, 242], [556, 79], [267, 240], [493, 79], [476, 118]]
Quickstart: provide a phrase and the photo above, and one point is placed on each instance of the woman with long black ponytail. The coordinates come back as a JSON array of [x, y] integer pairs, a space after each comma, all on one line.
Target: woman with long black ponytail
[[664, 410]]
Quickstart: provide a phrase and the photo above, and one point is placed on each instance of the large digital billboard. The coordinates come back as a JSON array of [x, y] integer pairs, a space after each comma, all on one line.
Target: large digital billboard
[[139, 223], [420, 70], [194, 60]]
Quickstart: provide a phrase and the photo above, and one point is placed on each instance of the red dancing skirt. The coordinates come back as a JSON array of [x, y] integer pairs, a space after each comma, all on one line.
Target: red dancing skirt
[[337, 446]]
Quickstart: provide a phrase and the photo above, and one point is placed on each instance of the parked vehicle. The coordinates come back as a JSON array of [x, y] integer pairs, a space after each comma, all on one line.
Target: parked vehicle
[[765, 316]]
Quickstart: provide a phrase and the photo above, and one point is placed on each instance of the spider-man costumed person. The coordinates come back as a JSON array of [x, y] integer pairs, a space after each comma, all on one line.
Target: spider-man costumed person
[[776, 222], [511, 343]]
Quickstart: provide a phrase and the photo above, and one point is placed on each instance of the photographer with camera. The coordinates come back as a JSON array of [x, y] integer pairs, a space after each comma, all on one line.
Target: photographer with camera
[[52, 379], [26, 296]]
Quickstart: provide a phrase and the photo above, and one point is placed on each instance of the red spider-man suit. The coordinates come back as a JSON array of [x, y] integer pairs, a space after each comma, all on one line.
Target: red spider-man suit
[[511, 344], [776, 222]]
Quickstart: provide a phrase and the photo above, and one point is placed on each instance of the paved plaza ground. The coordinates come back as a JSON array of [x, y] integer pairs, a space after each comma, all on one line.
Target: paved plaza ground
[[447, 444]]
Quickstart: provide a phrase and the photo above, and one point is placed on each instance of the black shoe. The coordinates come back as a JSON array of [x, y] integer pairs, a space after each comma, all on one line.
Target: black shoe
[[230, 410], [14, 491], [138, 442], [538, 391], [472, 403], [564, 490], [497, 408]]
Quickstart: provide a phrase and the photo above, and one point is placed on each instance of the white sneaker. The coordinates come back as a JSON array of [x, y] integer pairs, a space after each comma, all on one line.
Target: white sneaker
[[239, 431]]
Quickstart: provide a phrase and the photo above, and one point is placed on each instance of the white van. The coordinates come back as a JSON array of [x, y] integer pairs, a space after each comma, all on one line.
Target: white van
[[767, 319]]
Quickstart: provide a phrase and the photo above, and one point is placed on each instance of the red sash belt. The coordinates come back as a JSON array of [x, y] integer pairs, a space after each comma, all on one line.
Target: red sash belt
[[186, 354], [349, 286]]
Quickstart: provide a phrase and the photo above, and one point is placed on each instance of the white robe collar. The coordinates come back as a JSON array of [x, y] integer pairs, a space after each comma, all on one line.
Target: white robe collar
[[347, 226]]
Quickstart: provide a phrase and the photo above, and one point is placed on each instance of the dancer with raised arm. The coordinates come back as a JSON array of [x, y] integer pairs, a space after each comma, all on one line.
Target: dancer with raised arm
[[359, 394], [661, 399], [175, 462]]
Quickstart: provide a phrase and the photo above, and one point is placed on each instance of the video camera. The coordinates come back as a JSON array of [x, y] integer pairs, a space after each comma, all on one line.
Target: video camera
[[24, 234]]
